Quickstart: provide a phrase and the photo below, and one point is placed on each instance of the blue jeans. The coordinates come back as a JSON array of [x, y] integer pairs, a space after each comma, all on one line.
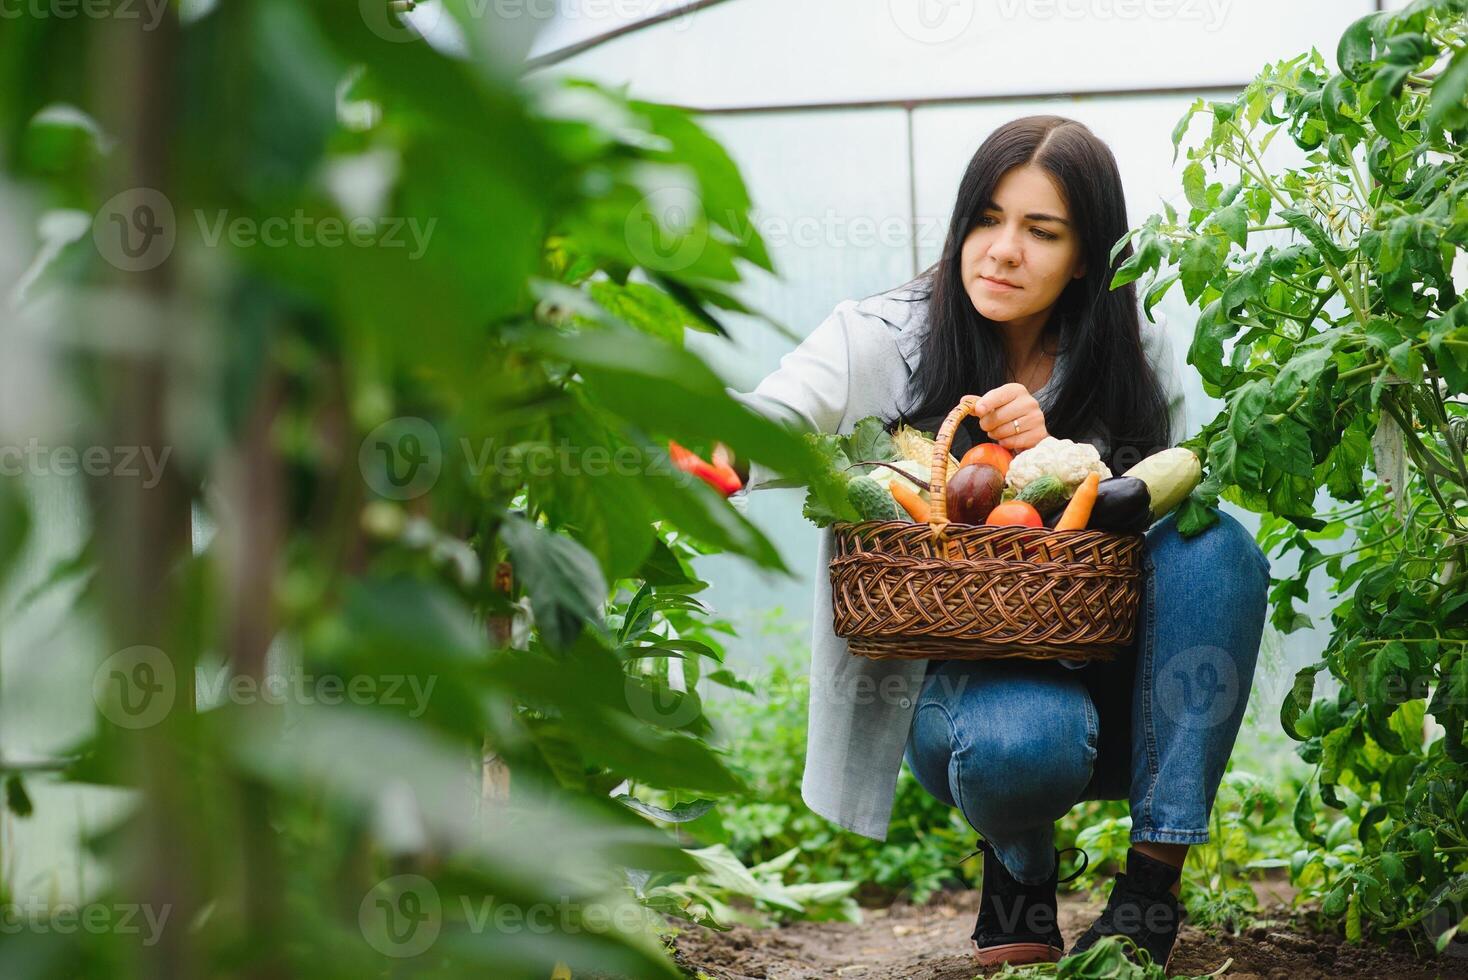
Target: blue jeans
[[1016, 743]]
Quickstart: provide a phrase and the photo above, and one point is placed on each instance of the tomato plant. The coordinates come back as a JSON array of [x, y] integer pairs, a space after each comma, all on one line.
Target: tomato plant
[[1332, 326]]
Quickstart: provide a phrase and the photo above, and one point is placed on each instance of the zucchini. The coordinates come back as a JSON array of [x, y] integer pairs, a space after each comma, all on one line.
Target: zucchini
[[1170, 476]]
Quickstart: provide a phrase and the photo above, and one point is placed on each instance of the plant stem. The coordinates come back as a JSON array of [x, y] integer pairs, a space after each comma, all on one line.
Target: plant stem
[[1298, 318], [1442, 419], [1263, 180], [1304, 569], [1365, 194]]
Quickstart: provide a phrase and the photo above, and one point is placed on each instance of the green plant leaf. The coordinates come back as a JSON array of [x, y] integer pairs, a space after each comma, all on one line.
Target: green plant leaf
[[563, 579], [681, 813], [1181, 128], [662, 567], [869, 440], [1193, 185], [1287, 446], [1145, 257], [17, 800], [1314, 234], [1354, 51], [1448, 108], [1201, 261], [1159, 289], [1234, 220], [1448, 340], [1301, 371], [1303, 817], [1299, 697], [15, 525]]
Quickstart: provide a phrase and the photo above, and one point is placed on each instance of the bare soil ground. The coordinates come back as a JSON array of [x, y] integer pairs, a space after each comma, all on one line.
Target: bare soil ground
[[931, 942]]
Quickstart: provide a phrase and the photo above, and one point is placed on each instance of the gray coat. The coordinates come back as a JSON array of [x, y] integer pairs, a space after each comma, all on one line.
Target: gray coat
[[858, 363]]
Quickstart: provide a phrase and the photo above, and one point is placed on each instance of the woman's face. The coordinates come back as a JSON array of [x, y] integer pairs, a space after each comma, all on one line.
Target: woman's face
[[1023, 251]]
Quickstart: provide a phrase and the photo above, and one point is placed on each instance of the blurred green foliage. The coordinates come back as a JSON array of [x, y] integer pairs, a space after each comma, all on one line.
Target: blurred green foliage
[[411, 330]]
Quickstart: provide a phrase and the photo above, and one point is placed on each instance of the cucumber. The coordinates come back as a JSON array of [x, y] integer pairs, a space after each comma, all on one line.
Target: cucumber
[[1170, 476], [1045, 493], [872, 501]]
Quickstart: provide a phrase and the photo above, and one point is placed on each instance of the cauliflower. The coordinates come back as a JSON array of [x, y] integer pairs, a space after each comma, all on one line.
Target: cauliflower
[[1069, 462]]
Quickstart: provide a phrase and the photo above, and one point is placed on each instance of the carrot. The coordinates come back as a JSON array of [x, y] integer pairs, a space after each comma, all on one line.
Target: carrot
[[916, 507], [1078, 511]]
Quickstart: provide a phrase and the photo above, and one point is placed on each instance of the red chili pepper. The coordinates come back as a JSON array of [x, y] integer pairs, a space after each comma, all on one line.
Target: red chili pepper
[[718, 474]]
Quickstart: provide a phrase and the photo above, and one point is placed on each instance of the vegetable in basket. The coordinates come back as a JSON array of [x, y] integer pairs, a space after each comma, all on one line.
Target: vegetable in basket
[[909, 500], [871, 500], [1078, 511], [1170, 476], [1045, 494], [867, 450], [973, 491], [1064, 459], [918, 447], [991, 453], [1147, 492], [1015, 512], [911, 474], [1123, 506]]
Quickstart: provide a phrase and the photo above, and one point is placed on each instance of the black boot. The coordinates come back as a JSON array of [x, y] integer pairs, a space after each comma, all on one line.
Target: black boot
[[1017, 922], [1141, 907]]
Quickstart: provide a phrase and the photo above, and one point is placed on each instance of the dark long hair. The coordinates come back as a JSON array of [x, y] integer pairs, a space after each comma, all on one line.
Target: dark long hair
[[1108, 390]]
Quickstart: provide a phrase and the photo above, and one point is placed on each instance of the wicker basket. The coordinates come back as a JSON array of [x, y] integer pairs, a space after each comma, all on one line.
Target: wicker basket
[[965, 591]]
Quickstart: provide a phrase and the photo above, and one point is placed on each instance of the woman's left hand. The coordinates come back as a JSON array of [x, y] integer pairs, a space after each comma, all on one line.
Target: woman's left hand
[[1001, 408]]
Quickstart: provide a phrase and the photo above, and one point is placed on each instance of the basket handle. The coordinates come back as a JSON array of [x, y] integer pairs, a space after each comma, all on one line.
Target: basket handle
[[938, 475]]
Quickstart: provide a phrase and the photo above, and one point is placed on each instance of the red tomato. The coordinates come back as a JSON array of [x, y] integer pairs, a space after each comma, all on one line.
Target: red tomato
[[991, 453], [1016, 512]]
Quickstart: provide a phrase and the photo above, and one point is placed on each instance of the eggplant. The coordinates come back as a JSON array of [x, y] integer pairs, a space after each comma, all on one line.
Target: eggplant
[[1123, 506]]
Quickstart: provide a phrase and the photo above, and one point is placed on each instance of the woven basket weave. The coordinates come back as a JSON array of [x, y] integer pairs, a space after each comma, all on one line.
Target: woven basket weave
[[966, 591]]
